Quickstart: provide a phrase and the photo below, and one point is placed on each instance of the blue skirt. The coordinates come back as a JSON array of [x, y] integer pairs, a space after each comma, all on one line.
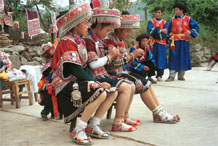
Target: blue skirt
[[160, 55], [180, 59]]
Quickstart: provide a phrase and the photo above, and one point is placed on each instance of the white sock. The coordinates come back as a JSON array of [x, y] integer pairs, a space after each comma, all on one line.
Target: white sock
[[94, 123], [80, 129], [157, 109], [162, 113]]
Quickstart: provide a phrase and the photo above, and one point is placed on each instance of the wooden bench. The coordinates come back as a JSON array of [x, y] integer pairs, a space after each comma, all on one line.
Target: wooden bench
[[15, 88]]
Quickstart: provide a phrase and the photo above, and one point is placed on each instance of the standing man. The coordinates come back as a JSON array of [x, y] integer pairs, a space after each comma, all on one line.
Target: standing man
[[180, 28], [157, 30]]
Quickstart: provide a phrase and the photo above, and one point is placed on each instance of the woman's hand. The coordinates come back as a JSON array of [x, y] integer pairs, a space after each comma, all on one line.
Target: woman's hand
[[138, 53], [105, 85], [146, 68], [113, 53]]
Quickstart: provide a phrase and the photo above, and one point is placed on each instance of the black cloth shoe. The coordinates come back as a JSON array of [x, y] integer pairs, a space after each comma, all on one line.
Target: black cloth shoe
[[44, 117], [170, 79], [181, 79]]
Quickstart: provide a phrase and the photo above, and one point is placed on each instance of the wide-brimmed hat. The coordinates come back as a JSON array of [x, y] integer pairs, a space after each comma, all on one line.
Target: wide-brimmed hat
[[77, 14], [130, 21], [102, 15]]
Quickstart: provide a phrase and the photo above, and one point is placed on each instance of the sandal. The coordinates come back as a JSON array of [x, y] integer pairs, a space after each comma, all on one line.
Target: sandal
[[91, 132], [122, 127], [164, 117], [176, 117], [132, 122], [80, 141]]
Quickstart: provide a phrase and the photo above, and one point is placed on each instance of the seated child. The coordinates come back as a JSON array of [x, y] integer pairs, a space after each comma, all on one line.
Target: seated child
[[144, 65]]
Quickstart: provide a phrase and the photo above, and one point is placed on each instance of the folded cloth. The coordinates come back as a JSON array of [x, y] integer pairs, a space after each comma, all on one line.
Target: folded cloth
[[16, 75]]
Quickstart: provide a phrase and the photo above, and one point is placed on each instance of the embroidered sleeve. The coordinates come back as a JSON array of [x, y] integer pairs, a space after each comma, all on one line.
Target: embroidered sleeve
[[194, 28], [117, 63], [92, 56], [71, 57], [150, 28], [135, 64]]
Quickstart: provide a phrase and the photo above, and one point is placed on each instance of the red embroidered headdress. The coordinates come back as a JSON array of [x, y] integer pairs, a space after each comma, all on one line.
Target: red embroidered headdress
[[102, 14], [130, 21], [77, 14]]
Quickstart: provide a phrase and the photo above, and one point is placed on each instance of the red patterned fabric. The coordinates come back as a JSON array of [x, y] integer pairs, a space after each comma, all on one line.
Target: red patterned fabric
[[180, 26], [63, 46], [66, 51], [92, 52]]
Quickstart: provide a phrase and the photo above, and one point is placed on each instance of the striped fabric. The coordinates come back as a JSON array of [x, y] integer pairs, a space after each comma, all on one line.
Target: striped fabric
[[33, 23]]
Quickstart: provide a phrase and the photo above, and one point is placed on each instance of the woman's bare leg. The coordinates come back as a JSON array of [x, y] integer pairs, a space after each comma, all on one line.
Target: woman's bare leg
[[92, 107], [131, 98], [148, 100], [154, 96], [122, 104], [103, 108]]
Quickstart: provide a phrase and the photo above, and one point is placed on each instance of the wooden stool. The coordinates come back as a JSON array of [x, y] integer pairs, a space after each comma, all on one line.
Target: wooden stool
[[15, 88]]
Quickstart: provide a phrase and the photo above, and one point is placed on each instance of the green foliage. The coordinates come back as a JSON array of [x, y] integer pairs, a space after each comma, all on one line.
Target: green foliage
[[135, 32], [121, 4]]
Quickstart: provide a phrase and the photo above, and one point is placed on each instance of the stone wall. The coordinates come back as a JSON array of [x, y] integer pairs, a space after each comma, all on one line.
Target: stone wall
[[199, 54], [24, 55]]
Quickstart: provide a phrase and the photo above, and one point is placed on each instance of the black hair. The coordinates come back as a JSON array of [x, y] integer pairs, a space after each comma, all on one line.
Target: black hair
[[125, 12], [61, 14], [140, 37], [158, 8], [181, 7], [94, 25]]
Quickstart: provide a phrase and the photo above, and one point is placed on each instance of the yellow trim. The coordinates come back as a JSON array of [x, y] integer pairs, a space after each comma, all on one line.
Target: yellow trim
[[172, 35]]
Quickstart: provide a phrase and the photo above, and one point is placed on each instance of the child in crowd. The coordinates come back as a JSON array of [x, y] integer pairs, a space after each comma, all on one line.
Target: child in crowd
[[44, 85], [144, 66]]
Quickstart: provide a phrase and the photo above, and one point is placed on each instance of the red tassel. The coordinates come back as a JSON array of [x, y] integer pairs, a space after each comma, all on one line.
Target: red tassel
[[55, 105], [96, 4], [173, 47]]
